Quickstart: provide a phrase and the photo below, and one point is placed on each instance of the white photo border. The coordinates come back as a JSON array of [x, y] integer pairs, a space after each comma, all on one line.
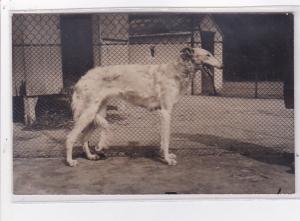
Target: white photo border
[[9, 7]]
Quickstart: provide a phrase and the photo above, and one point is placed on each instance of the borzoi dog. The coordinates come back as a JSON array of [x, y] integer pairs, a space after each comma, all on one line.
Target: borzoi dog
[[150, 86]]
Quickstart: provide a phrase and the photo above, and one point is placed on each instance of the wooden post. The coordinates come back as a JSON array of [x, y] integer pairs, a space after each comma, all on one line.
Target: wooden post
[[192, 45], [29, 110]]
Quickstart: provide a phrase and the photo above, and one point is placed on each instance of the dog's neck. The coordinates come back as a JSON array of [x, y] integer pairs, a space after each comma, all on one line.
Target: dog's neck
[[186, 69]]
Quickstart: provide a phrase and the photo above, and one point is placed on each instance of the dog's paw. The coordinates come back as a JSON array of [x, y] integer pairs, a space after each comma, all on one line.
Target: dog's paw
[[93, 157], [106, 147], [100, 147], [73, 163], [171, 161], [172, 156]]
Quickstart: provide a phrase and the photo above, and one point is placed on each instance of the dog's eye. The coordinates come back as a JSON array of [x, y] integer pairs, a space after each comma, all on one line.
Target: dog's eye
[[208, 55]]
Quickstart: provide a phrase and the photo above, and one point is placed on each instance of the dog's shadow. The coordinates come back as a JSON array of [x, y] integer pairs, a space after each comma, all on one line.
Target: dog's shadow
[[270, 155]]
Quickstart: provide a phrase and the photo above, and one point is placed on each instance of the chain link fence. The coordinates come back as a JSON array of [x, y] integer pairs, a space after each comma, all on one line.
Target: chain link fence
[[51, 53]]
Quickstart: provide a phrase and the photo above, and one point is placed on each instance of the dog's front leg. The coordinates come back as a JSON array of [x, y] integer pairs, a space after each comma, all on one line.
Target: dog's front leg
[[165, 137]]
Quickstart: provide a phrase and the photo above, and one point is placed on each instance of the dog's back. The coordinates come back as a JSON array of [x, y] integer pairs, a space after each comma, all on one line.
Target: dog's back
[[138, 84]]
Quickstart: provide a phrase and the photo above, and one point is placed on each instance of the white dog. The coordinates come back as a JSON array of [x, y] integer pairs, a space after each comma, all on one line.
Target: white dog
[[149, 86]]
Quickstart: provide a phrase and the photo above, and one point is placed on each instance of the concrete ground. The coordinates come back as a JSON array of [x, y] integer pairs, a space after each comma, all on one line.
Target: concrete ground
[[230, 173]]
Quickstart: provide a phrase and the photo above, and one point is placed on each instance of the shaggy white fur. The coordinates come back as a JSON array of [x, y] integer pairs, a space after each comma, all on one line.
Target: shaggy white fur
[[155, 87]]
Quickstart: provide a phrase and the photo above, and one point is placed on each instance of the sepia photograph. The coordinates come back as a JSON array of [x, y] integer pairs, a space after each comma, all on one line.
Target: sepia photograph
[[153, 103]]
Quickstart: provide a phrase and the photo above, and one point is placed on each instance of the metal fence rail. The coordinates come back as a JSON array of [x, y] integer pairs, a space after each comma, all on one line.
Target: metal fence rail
[[51, 52]]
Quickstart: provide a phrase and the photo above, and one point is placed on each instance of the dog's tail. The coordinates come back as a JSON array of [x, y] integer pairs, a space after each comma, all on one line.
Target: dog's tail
[[77, 104]]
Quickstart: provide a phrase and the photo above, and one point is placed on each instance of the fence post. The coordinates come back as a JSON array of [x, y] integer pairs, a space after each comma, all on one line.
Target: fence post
[[192, 45]]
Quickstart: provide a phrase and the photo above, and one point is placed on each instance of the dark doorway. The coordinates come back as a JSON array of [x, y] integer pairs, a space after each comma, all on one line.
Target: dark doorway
[[207, 42], [77, 48], [257, 47]]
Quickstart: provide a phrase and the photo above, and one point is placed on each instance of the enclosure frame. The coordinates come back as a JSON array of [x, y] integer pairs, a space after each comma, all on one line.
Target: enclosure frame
[[8, 8]]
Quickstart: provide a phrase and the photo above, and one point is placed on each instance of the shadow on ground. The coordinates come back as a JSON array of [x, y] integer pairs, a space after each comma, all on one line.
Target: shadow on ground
[[270, 155]]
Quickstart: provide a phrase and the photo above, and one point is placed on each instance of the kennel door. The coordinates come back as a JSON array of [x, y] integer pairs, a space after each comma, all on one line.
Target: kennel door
[[207, 41], [77, 49]]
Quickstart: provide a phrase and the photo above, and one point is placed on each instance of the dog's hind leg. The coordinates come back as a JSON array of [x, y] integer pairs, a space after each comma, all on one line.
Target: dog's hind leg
[[87, 132], [82, 122], [102, 122]]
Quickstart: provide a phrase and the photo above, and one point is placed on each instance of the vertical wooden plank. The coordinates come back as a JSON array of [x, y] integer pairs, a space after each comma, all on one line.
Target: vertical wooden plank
[[96, 39], [18, 66], [218, 73], [42, 55]]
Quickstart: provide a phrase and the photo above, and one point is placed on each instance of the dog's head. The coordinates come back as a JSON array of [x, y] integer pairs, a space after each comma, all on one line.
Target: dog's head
[[199, 56]]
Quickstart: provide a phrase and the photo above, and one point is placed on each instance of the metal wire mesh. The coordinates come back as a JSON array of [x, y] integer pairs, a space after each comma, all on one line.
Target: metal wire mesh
[[242, 116]]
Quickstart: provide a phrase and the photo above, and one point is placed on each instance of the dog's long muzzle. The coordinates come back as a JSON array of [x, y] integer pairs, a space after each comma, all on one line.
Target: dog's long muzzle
[[207, 68]]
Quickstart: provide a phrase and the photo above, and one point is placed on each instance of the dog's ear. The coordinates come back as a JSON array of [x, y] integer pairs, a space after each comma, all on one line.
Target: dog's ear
[[187, 54]]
